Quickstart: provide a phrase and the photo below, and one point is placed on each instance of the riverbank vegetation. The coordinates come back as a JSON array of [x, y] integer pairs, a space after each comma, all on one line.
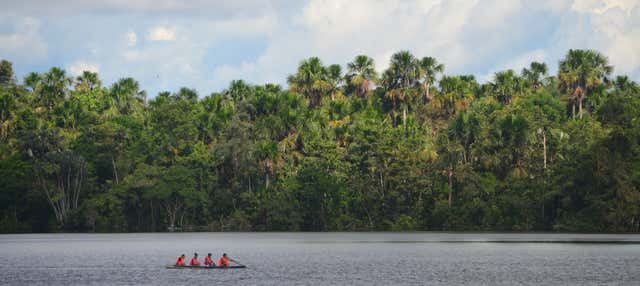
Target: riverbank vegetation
[[342, 148]]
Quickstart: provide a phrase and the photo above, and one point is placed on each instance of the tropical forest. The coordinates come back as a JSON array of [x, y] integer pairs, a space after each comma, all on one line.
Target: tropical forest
[[339, 147]]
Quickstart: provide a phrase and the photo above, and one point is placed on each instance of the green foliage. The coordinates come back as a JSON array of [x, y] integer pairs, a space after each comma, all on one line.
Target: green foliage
[[410, 150], [6, 72]]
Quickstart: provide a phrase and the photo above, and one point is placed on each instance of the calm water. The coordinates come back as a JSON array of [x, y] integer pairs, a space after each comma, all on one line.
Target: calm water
[[323, 259]]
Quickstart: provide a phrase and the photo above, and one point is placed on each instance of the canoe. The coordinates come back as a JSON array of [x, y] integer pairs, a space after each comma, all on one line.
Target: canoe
[[203, 267]]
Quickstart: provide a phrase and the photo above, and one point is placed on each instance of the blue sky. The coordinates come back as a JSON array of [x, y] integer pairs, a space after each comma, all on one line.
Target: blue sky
[[168, 44]]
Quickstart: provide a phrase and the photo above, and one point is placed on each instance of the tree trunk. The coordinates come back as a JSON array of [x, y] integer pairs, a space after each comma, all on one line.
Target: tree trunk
[[580, 98], [427, 85], [172, 212], [544, 151], [323, 210], [395, 115], [544, 148], [65, 194], [115, 170], [450, 175], [153, 219], [404, 115]]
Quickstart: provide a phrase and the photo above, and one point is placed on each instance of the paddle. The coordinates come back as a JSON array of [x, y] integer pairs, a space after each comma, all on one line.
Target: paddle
[[236, 262]]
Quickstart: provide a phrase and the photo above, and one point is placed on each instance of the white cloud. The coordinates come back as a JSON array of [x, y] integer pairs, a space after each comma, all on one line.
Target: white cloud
[[225, 73], [162, 33], [343, 17], [240, 27], [602, 6], [516, 64], [613, 29], [381, 60], [208, 43], [76, 68], [132, 38], [468, 36], [205, 8], [337, 31], [25, 42], [131, 55]]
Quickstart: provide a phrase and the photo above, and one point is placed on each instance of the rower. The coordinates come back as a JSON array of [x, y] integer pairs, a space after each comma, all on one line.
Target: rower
[[208, 261], [180, 261], [194, 260], [224, 261]]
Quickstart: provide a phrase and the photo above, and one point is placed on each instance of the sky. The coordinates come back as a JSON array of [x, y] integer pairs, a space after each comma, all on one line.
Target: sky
[[169, 44]]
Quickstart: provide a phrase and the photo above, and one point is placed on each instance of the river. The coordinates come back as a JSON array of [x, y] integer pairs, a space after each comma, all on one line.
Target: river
[[323, 259]]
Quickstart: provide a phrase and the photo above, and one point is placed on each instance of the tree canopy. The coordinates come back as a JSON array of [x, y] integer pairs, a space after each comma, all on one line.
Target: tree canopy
[[342, 148]]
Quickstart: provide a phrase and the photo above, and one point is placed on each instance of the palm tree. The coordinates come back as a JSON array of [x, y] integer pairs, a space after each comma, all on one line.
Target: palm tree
[[402, 74], [125, 96], [429, 68], [186, 94], [238, 90], [449, 159], [506, 84], [267, 154], [217, 113], [535, 73], [456, 93], [361, 74], [334, 79], [33, 80], [464, 129], [580, 72], [6, 72], [8, 104], [87, 82], [623, 83], [310, 80], [55, 86]]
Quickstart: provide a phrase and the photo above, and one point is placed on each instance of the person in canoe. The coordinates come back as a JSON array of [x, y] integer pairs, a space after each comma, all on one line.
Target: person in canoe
[[224, 261], [180, 260], [194, 260], [208, 261]]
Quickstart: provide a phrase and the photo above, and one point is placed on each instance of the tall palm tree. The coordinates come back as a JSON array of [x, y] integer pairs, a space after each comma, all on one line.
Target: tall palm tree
[[186, 94], [456, 93], [125, 96], [334, 79], [429, 68], [55, 87], [580, 72], [217, 113], [238, 90], [506, 84], [464, 129], [309, 80], [6, 72], [32, 80], [8, 104], [361, 74], [402, 74], [623, 83], [88, 81], [535, 73]]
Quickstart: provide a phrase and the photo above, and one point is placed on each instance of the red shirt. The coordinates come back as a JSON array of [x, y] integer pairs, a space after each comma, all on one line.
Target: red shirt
[[180, 261], [208, 261], [223, 262], [194, 261]]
